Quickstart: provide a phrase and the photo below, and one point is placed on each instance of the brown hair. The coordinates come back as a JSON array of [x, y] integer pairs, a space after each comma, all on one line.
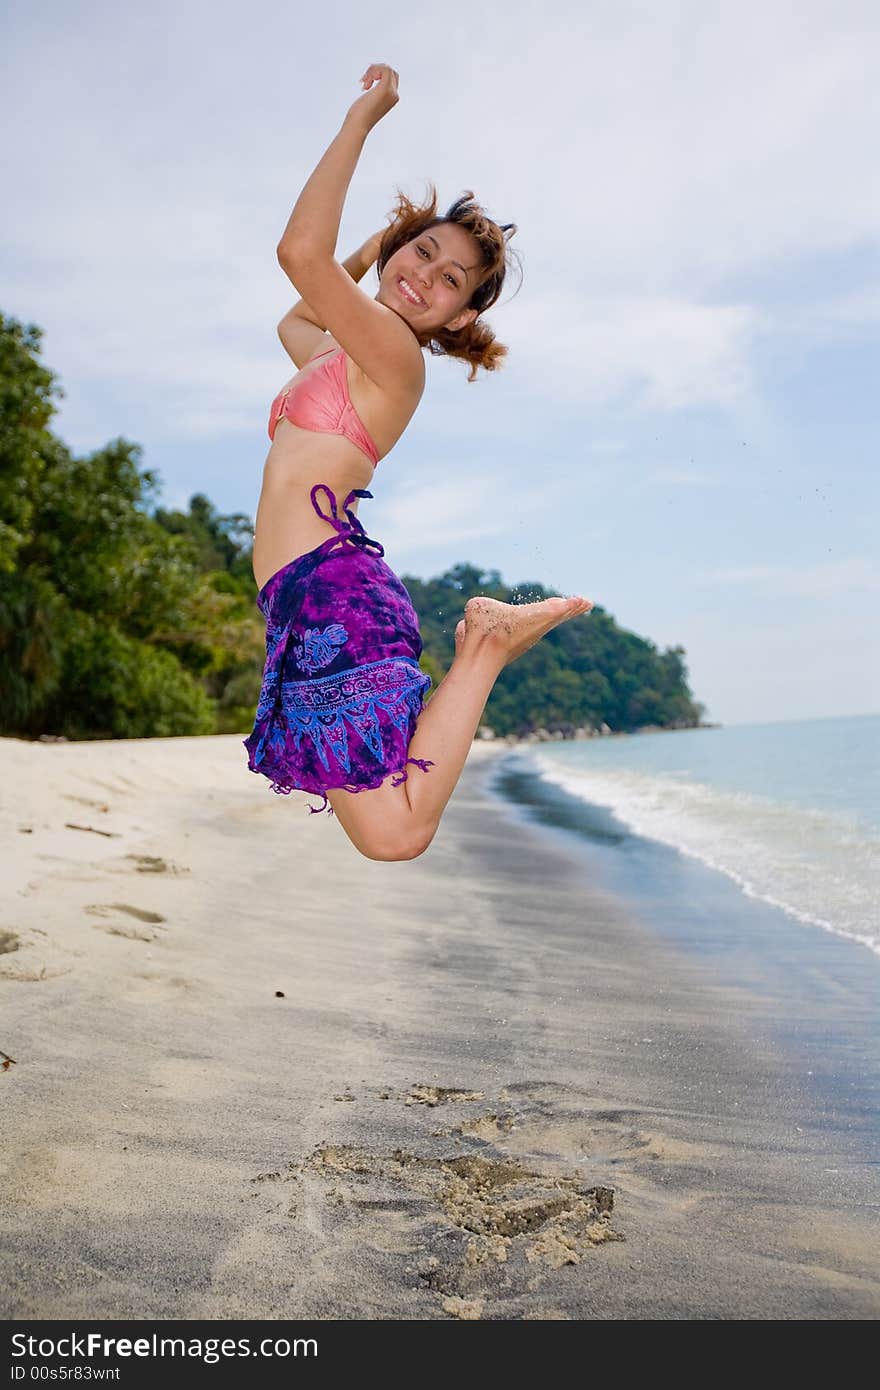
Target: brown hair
[[475, 343]]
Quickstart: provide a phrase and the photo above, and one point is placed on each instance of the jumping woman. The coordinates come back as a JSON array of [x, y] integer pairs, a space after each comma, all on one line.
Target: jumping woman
[[342, 712]]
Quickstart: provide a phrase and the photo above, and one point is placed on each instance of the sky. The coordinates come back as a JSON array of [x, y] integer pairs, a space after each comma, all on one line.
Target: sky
[[684, 428]]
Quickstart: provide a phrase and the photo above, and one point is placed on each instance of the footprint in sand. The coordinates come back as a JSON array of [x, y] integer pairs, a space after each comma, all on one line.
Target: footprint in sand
[[484, 1227], [490, 1128], [552, 1118], [154, 864], [422, 1094], [10, 942], [86, 801], [154, 919], [479, 1229]]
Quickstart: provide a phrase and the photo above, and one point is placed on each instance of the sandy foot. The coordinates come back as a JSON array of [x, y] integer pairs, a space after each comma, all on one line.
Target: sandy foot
[[515, 627]]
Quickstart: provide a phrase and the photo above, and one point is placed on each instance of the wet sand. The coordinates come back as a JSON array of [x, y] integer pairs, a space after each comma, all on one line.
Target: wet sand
[[257, 1075]]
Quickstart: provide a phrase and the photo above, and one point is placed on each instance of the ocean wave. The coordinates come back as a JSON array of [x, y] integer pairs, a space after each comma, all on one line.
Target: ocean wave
[[817, 866]]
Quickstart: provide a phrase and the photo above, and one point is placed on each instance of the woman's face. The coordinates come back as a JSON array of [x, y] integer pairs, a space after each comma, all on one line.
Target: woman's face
[[430, 279]]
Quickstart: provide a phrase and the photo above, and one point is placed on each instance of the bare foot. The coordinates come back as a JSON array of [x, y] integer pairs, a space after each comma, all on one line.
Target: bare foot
[[459, 636], [511, 628]]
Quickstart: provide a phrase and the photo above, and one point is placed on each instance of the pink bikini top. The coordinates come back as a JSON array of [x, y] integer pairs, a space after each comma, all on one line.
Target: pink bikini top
[[320, 401]]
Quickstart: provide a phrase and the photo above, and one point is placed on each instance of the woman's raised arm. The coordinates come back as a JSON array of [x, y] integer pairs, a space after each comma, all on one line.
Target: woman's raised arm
[[357, 265], [313, 225]]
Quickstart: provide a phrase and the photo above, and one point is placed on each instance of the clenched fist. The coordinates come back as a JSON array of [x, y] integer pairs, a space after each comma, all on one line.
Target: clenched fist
[[380, 95]]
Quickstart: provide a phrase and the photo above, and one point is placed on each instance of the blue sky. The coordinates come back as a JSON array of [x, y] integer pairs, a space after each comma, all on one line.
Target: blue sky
[[685, 427]]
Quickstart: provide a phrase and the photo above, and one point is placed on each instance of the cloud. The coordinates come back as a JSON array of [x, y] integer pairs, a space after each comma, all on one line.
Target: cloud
[[422, 515], [688, 145], [827, 318], [671, 154], [670, 352], [825, 579]]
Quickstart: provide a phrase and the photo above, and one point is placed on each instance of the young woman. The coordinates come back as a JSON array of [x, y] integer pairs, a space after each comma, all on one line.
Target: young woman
[[341, 711]]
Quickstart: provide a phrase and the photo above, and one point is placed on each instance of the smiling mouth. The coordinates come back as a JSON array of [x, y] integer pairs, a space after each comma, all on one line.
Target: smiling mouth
[[409, 294]]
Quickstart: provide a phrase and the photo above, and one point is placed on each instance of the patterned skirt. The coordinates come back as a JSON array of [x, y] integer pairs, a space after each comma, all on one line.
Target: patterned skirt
[[342, 688]]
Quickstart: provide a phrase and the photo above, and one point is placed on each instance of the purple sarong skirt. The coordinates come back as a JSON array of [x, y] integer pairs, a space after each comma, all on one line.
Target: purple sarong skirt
[[342, 689]]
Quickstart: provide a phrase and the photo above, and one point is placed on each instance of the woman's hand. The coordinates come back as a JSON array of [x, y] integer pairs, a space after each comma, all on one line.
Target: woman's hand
[[377, 100], [373, 245]]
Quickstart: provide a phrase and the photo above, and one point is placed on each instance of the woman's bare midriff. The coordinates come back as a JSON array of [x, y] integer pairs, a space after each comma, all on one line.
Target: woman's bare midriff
[[287, 525]]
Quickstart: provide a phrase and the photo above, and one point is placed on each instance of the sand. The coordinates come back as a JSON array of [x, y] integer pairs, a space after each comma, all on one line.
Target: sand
[[257, 1075]]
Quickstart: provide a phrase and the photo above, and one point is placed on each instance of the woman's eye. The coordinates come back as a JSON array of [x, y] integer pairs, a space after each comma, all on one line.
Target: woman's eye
[[450, 278]]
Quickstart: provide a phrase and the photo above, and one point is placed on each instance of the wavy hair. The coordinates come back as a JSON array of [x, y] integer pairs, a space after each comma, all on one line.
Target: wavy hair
[[476, 343]]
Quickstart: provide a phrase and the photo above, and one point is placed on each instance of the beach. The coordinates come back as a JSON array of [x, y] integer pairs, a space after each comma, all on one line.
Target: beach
[[257, 1075]]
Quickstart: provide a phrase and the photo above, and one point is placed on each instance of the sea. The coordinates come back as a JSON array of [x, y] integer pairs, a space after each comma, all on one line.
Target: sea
[[789, 812]]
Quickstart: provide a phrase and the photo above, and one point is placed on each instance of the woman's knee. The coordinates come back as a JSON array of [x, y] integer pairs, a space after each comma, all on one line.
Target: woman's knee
[[389, 848], [387, 842], [381, 828]]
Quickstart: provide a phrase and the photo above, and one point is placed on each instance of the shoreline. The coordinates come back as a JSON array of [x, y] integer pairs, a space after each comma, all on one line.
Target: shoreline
[[542, 736], [260, 1076], [815, 980], [677, 805]]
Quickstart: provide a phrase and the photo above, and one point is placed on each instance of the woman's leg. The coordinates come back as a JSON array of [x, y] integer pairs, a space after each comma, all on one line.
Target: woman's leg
[[400, 822]]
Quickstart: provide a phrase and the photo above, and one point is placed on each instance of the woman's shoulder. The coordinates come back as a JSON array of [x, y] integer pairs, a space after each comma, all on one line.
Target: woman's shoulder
[[383, 411], [409, 389]]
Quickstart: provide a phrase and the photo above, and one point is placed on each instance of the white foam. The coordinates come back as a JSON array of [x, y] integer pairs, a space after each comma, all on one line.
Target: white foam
[[818, 867]]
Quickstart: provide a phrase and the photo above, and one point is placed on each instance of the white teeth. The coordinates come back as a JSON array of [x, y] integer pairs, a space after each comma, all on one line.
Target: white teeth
[[410, 292]]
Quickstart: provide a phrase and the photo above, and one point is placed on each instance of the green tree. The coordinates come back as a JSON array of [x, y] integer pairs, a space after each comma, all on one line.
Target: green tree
[[98, 601], [26, 407]]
